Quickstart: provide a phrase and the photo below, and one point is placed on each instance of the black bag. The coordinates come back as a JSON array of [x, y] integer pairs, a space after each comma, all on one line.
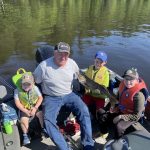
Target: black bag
[[137, 140]]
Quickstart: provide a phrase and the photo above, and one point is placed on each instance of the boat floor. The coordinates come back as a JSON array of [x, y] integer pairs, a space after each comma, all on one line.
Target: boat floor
[[46, 143], [38, 144]]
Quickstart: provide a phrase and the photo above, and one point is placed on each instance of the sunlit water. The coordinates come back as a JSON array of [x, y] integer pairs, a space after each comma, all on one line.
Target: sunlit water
[[121, 28]]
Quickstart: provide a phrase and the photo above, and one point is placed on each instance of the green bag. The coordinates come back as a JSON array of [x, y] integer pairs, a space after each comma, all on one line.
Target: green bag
[[17, 77]]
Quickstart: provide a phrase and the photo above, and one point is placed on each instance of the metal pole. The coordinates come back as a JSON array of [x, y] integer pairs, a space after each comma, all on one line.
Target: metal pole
[[4, 144]]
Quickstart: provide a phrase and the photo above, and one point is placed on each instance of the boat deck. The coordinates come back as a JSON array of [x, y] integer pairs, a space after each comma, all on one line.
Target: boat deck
[[47, 144], [38, 144]]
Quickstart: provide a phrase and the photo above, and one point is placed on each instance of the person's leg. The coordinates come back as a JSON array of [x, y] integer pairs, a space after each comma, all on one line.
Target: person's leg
[[99, 105], [122, 126], [102, 117], [87, 99], [105, 120], [39, 114], [81, 111], [24, 122], [51, 107]]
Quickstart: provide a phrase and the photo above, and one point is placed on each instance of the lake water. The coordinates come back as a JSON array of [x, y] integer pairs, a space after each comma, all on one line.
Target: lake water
[[121, 28]]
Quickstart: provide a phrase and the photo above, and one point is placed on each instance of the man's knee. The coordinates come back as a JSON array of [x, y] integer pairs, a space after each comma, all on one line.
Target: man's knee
[[49, 120], [80, 106], [82, 112]]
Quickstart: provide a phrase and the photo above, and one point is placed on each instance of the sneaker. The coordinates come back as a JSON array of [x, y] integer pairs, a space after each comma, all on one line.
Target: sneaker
[[26, 140], [100, 140]]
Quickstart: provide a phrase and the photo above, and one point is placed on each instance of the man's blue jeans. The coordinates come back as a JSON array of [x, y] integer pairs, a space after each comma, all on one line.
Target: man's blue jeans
[[51, 108]]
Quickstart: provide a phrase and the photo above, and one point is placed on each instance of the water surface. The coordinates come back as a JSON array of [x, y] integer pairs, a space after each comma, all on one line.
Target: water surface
[[121, 28]]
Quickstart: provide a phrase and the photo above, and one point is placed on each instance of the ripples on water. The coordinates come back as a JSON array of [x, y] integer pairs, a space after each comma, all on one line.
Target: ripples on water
[[120, 28]]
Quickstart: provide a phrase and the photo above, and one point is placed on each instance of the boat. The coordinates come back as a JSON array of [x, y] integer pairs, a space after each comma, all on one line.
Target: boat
[[9, 141], [13, 142], [46, 51]]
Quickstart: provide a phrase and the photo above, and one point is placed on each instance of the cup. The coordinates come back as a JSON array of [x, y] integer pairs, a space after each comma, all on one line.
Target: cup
[[8, 127]]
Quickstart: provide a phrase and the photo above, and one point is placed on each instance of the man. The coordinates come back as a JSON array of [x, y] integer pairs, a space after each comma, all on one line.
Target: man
[[132, 97], [56, 75]]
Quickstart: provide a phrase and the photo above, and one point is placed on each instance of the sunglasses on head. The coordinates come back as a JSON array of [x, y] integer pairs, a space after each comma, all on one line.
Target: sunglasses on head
[[26, 84]]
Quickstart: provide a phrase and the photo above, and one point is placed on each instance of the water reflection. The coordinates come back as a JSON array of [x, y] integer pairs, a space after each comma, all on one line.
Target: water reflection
[[119, 27]]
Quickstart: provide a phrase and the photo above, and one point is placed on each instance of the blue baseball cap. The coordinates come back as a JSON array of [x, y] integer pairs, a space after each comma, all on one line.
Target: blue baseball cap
[[101, 55]]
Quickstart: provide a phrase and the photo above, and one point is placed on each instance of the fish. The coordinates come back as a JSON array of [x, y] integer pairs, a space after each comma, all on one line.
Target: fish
[[92, 85]]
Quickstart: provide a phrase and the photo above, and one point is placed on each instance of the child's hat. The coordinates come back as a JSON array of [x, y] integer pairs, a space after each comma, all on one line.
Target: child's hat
[[27, 78], [131, 74], [101, 55]]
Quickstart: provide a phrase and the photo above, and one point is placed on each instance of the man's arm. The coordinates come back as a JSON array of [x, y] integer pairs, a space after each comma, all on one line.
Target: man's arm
[[38, 74]]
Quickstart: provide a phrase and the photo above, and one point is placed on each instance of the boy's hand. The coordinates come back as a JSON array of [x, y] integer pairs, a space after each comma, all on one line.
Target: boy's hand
[[114, 110], [33, 111], [27, 112]]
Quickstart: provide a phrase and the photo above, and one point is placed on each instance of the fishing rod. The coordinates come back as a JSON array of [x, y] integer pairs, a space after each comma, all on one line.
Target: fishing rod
[[92, 85]]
